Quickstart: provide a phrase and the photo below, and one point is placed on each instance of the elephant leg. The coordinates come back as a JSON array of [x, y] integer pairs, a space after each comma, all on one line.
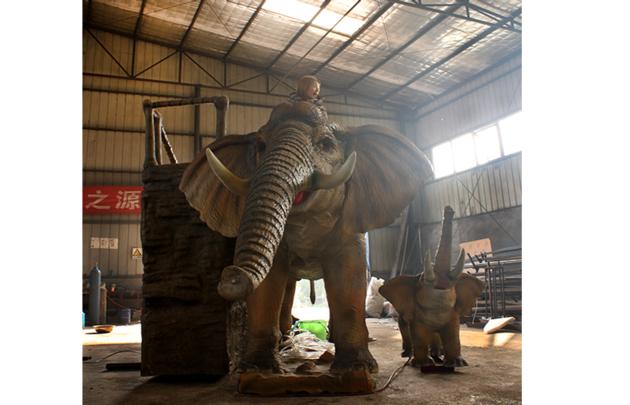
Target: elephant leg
[[405, 332], [344, 278], [436, 349], [331, 338], [452, 346], [263, 315], [422, 337], [286, 319]]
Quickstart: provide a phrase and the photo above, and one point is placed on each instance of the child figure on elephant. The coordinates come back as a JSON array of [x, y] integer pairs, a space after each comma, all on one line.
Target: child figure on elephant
[[308, 88]]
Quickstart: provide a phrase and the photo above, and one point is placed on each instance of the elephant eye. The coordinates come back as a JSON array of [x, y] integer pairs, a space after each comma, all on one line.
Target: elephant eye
[[326, 144], [260, 146]]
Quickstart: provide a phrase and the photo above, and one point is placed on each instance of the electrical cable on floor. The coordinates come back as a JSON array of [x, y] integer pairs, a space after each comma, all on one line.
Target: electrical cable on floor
[[392, 377], [111, 354], [395, 374], [120, 305]]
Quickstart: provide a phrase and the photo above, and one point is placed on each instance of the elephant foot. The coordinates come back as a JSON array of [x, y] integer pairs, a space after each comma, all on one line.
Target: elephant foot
[[347, 360], [437, 358], [456, 362], [422, 362], [405, 353], [260, 362]]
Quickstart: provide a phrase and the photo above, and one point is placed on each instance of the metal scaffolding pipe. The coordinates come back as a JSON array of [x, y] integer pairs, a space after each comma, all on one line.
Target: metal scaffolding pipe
[[149, 152], [156, 134]]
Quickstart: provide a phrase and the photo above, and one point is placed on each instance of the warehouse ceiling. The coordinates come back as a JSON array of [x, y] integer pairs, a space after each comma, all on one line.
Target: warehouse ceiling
[[404, 52]]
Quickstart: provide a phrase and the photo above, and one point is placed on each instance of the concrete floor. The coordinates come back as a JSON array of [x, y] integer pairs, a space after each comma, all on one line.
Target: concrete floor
[[493, 377]]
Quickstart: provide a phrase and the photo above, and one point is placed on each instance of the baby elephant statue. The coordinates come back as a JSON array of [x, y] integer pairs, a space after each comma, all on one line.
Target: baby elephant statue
[[430, 305]]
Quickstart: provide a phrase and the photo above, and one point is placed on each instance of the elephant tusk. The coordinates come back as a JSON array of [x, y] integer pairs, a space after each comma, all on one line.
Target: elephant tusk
[[233, 183], [320, 181], [459, 266], [429, 274], [312, 296]]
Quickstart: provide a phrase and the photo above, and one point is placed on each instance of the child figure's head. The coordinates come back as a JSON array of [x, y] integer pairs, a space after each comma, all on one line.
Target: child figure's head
[[308, 87]]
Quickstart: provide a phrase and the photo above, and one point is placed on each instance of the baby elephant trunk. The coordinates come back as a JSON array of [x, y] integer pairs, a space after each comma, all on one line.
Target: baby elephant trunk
[[285, 167], [446, 276]]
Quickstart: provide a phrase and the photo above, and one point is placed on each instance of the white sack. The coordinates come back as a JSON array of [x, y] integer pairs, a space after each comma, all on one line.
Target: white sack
[[374, 300]]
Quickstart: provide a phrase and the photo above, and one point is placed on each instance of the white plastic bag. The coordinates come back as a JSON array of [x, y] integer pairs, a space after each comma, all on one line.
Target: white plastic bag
[[303, 345], [374, 300]]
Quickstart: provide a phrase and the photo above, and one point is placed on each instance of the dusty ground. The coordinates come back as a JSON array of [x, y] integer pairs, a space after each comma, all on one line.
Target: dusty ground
[[493, 377]]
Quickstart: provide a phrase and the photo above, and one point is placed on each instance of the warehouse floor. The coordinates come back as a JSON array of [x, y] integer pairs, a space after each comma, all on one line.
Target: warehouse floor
[[493, 377]]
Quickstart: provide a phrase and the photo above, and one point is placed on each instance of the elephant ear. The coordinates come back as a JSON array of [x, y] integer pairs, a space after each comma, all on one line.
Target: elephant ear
[[219, 208], [467, 289], [388, 175], [400, 291]]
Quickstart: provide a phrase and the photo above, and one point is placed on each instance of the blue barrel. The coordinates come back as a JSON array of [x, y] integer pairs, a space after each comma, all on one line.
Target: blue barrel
[[94, 305], [83, 325], [125, 316]]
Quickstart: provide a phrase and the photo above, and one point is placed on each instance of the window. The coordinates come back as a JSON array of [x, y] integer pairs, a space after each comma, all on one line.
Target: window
[[478, 147], [487, 145], [511, 133], [463, 152], [442, 156]]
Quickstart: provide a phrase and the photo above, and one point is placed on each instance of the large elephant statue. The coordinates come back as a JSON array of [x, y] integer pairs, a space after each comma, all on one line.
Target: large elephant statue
[[299, 194], [430, 305]]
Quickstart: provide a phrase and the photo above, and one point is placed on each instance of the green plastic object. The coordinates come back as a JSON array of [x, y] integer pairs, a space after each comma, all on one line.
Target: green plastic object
[[318, 328]]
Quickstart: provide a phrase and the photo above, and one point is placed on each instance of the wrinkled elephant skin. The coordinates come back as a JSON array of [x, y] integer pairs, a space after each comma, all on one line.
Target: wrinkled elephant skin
[[303, 193]]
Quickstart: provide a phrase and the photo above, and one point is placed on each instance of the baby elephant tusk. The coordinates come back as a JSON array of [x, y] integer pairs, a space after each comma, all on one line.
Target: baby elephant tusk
[[459, 266], [429, 273], [233, 183], [327, 181]]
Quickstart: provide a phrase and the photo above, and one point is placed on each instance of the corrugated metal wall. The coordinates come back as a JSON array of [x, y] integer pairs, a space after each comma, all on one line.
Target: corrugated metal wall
[[488, 188], [483, 100], [491, 187], [113, 122]]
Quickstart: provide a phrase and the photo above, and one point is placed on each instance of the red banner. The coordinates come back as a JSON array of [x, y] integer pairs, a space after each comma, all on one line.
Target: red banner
[[112, 199]]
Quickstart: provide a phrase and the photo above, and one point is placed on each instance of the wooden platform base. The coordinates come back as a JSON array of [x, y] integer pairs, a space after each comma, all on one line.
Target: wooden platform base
[[353, 382], [437, 369]]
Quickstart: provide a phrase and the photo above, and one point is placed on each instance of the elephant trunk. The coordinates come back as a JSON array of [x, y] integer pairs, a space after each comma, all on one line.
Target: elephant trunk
[[285, 167], [443, 256]]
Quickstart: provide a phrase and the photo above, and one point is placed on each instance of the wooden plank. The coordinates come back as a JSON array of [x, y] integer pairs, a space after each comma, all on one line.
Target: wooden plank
[[350, 382]]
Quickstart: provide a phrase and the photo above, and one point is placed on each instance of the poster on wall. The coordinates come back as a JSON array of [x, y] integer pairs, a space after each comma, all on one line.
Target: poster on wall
[[103, 243], [112, 199]]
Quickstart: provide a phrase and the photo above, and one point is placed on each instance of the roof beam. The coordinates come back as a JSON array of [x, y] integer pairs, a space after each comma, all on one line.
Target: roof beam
[[139, 19], [490, 14], [434, 8], [243, 31], [373, 100], [509, 57], [298, 34], [108, 53], [88, 17], [426, 28], [373, 18], [318, 42], [453, 54], [192, 22], [135, 38]]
